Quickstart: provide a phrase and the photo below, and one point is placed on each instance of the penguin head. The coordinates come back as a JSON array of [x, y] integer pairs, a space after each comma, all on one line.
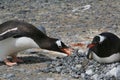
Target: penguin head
[[97, 40], [61, 47], [56, 45]]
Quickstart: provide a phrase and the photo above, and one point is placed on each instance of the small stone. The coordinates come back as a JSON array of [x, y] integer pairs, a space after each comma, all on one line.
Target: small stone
[[50, 79], [52, 70], [94, 77], [45, 70], [83, 75], [80, 51], [65, 79], [112, 72], [78, 66], [118, 73], [58, 69], [86, 7], [89, 72], [75, 75]]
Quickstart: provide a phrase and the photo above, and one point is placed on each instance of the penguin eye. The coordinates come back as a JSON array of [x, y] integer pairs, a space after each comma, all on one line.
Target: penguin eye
[[101, 38], [60, 46], [59, 43], [98, 39]]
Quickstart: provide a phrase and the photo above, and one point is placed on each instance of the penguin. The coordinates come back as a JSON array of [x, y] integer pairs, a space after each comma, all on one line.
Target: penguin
[[18, 35], [104, 48]]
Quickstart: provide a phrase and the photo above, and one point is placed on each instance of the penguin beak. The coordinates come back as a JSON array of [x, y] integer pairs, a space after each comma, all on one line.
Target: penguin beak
[[67, 51], [91, 45], [89, 52]]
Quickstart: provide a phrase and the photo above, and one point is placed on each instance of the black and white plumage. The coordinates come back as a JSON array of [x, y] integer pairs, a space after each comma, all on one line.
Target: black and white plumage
[[105, 48], [18, 35]]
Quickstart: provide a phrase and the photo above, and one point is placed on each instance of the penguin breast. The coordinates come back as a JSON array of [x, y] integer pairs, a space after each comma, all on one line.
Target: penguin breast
[[112, 58], [25, 43], [11, 46]]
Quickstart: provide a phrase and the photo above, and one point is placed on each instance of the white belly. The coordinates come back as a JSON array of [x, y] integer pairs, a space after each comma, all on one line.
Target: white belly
[[110, 59], [13, 45]]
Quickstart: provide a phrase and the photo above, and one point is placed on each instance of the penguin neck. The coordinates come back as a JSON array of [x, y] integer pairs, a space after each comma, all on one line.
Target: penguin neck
[[44, 42]]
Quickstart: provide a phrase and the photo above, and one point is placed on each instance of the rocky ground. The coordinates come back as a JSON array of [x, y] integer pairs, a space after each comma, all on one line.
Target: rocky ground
[[72, 21]]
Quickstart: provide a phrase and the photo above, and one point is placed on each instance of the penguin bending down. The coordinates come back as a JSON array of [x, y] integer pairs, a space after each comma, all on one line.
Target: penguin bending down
[[18, 35], [105, 48]]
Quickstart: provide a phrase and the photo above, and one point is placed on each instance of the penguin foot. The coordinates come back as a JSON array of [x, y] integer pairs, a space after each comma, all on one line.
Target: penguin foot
[[8, 63], [15, 59]]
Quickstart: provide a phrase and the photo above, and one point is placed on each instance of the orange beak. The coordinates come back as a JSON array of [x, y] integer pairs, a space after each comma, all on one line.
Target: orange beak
[[67, 51], [91, 45]]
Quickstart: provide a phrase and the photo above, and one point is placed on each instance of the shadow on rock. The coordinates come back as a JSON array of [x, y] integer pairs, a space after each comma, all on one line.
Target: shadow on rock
[[35, 59], [32, 59]]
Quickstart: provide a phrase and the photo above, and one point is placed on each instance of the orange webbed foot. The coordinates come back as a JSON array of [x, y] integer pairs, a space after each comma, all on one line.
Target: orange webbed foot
[[8, 63]]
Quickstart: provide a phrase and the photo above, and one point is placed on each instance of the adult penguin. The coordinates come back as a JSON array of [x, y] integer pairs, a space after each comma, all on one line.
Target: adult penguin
[[105, 48], [16, 35]]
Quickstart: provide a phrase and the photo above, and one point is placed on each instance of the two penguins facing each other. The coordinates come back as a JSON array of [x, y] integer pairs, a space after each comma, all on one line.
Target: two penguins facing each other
[[18, 35]]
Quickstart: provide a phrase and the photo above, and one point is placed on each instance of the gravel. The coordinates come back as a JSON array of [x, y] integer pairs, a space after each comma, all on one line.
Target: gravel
[[78, 66]]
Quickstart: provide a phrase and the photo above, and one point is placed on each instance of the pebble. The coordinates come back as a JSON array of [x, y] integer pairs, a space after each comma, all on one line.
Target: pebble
[[83, 75], [78, 66], [58, 69], [118, 73], [89, 72], [94, 77], [81, 8], [86, 7], [112, 72], [50, 79]]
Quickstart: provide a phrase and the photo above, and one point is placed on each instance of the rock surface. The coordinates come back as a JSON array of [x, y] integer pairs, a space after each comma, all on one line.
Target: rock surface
[[72, 21], [88, 70]]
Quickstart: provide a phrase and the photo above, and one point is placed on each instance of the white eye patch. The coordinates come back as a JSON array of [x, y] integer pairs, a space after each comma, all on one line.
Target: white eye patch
[[9, 30], [59, 43], [102, 38]]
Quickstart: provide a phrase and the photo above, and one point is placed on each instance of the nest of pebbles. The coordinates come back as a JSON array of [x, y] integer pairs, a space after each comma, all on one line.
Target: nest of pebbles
[[78, 66]]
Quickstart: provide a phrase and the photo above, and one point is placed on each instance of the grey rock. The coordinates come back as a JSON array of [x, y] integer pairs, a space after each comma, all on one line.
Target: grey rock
[[95, 77], [112, 72], [83, 75], [89, 72], [78, 66], [58, 69], [50, 79], [118, 73]]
